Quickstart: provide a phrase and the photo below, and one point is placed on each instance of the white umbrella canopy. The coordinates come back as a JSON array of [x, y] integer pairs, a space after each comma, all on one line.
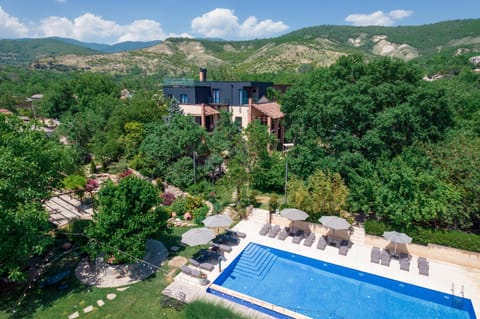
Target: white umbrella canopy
[[397, 238], [293, 214], [218, 221], [198, 236], [334, 222]]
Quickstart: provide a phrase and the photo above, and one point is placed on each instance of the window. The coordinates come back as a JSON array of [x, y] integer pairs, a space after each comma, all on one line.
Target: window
[[183, 98], [243, 96], [216, 95]]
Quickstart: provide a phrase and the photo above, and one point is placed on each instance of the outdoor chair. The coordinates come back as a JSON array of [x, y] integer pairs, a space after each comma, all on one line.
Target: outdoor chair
[[274, 231], [322, 243], [375, 255], [282, 234], [385, 258], [265, 229], [309, 240]]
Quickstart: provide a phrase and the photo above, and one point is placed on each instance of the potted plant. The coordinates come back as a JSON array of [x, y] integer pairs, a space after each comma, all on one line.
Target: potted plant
[[203, 279]]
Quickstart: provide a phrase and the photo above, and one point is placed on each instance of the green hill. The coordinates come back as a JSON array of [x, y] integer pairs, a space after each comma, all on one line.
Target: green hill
[[296, 51], [22, 51]]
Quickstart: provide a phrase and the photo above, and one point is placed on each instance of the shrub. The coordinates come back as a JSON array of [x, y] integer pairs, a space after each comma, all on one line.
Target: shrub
[[199, 214], [450, 238], [179, 206], [374, 227]]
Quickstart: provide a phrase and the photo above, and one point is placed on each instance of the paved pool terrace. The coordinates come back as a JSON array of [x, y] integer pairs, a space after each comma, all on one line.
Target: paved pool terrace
[[444, 277]]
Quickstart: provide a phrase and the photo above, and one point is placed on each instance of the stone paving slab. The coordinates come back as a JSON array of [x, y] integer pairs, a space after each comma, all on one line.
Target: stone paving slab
[[88, 309], [74, 315]]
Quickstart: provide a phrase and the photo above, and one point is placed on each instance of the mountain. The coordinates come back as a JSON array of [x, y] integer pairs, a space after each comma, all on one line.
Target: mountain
[[295, 51], [21, 51], [111, 48]]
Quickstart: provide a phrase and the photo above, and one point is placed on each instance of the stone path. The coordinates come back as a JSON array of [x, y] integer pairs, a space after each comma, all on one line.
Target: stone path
[[100, 303]]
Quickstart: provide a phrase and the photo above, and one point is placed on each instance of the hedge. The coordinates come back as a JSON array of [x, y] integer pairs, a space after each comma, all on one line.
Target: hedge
[[450, 238]]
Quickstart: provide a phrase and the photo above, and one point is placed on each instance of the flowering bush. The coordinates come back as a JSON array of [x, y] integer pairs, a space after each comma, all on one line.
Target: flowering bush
[[125, 173], [167, 198], [92, 185]]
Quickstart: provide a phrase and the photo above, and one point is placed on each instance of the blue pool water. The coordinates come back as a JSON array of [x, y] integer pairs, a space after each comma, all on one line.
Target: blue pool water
[[319, 289]]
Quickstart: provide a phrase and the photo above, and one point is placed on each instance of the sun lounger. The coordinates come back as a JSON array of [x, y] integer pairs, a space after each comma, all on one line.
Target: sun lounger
[[206, 266], [322, 243], [265, 229], [282, 234], [226, 239], [186, 270], [385, 258], [190, 271], [405, 264], [274, 231], [343, 249], [309, 240], [423, 266], [236, 233], [298, 238], [222, 247], [375, 255], [194, 263]]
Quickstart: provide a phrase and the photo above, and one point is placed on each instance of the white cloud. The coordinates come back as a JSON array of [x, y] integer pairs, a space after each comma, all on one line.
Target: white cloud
[[142, 30], [378, 17], [93, 28], [224, 23], [61, 1], [400, 14], [11, 27]]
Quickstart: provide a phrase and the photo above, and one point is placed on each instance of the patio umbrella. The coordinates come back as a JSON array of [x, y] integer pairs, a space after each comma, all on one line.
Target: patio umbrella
[[198, 236], [293, 214], [334, 223], [397, 238], [218, 221]]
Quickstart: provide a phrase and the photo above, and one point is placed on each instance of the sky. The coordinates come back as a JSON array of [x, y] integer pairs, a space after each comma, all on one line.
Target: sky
[[113, 21]]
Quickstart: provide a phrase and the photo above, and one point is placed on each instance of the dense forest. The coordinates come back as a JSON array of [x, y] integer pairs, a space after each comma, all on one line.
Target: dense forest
[[370, 137]]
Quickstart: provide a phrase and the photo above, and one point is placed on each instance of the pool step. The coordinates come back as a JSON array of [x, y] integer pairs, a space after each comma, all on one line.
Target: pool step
[[254, 262]]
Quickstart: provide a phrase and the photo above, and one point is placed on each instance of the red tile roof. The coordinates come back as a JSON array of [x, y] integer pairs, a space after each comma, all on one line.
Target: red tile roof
[[210, 111], [271, 109]]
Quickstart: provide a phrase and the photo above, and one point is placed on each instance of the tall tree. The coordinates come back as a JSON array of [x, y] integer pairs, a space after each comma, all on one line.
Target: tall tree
[[31, 166], [127, 215]]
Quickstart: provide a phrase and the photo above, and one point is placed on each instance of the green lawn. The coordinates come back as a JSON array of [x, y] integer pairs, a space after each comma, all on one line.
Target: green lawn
[[141, 300]]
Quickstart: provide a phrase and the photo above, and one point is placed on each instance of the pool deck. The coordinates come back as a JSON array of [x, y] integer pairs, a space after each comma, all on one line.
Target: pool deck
[[442, 277]]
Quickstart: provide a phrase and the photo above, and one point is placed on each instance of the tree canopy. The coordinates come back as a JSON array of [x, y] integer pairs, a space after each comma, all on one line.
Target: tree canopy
[[31, 166], [127, 215]]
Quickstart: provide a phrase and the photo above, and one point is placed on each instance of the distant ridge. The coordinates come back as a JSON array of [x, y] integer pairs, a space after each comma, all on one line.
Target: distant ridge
[[111, 48], [297, 51]]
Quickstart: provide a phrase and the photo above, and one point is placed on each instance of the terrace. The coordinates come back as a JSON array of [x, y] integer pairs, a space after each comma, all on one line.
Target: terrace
[[446, 277]]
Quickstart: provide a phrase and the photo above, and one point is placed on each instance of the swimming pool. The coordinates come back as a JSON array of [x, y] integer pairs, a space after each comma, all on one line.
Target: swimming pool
[[277, 282]]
